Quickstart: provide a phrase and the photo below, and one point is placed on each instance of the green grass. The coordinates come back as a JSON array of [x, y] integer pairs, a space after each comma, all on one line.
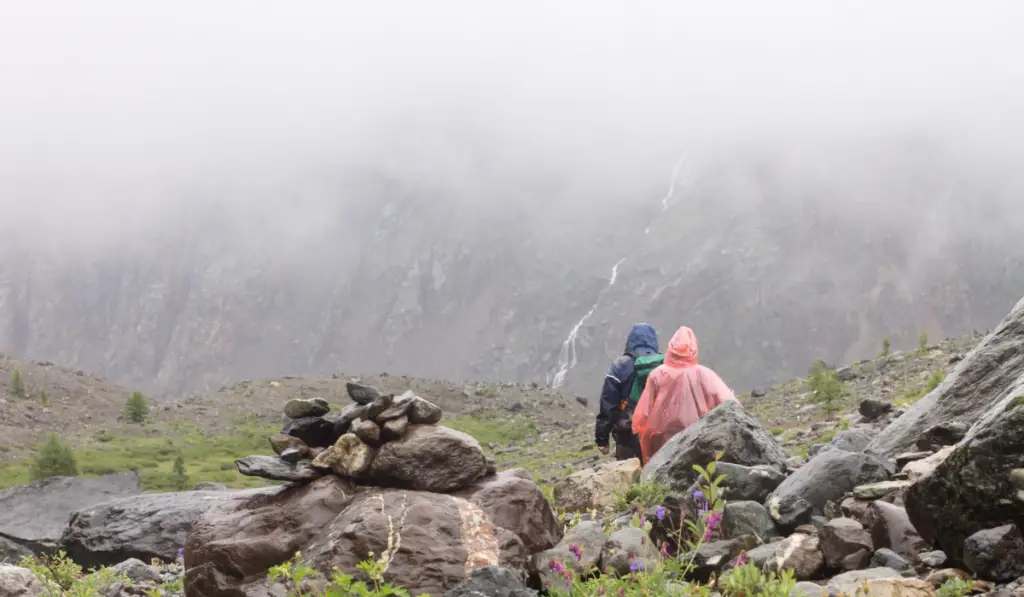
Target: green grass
[[207, 457], [498, 430]]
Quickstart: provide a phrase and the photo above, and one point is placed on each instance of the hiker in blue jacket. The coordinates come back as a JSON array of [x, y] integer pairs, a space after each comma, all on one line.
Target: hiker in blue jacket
[[642, 340]]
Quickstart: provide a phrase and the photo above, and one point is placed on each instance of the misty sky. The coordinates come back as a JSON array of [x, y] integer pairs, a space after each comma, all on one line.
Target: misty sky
[[114, 104]]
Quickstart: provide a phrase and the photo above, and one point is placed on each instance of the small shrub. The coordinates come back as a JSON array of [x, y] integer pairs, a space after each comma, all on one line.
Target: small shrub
[[826, 388], [935, 379], [136, 409], [43, 398], [55, 459], [955, 587], [922, 341], [178, 476], [294, 574], [886, 345], [61, 576], [18, 384], [642, 496]]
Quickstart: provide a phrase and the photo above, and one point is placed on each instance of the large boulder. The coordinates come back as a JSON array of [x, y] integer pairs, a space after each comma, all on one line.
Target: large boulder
[[436, 541], [989, 373], [429, 458], [800, 553], [597, 487], [513, 501], [748, 518], [35, 515], [144, 526], [973, 489], [826, 478], [432, 542], [748, 483], [996, 554], [846, 545], [19, 582], [727, 428], [11, 552], [890, 528], [234, 543]]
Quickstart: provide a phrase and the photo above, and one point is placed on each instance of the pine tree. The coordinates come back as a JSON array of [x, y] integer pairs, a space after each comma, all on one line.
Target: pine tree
[[826, 388], [55, 459], [136, 409], [885, 348], [179, 478], [17, 384]]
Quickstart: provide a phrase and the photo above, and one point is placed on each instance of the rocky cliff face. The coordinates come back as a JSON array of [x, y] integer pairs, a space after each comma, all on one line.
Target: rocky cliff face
[[772, 266]]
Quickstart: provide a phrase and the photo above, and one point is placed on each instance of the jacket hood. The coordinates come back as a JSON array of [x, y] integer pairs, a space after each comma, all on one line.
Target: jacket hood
[[682, 348], [642, 340]]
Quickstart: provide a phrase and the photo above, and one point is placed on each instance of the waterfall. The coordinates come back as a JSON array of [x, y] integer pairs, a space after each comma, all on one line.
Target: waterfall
[[567, 355]]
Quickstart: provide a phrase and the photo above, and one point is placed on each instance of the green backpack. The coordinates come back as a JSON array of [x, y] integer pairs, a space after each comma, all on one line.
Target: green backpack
[[642, 367]]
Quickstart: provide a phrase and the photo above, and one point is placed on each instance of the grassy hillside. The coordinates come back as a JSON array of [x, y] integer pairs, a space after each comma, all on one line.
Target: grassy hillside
[[520, 426]]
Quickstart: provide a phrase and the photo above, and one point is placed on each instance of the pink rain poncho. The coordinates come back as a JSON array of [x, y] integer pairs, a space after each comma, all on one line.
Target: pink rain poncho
[[677, 394]]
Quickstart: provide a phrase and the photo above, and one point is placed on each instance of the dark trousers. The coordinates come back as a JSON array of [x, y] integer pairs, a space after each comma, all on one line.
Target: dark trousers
[[627, 447]]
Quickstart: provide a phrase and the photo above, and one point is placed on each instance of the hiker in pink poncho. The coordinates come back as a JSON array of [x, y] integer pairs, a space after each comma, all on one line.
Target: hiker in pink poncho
[[678, 393]]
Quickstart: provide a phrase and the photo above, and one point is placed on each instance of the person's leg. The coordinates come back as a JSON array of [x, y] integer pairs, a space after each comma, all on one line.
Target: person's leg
[[627, 447]]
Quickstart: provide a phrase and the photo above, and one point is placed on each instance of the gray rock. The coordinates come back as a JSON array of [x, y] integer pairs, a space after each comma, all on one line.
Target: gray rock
[[137, 570], [852, 440], [932, 559], [759, 556], [845, 545], [996, 554], [492, 581], [35, 515], [292, 456], [147, 526], [394, 429], [746, 483], [946, 433], [748, 518], [368, 432], [588, 536], [19, 582], [424, 412], [890, 527], [907, 457], [807, 589], [827, 477], [846, 374], [429, 458], [887, 558], [872, 409], [984, 379], [379, 407], [11, 552], [298, 408], [727, 428], [848, 582], [274, 468], [874, 491], [361, 394], [972, 489], [715, 556], [801, 554], [343, 423], [627, 547], [208, 486], [313, 431], [349, 457]]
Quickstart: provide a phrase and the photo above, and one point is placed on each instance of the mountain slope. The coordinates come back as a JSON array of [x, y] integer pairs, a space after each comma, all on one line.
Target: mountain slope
[[772, 260]]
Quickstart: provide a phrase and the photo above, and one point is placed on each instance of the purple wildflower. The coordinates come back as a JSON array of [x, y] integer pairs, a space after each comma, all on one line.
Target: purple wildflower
[[741, 560], [661, 512], [181, 552], [636, 567], [699, 496], [576, 551]]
